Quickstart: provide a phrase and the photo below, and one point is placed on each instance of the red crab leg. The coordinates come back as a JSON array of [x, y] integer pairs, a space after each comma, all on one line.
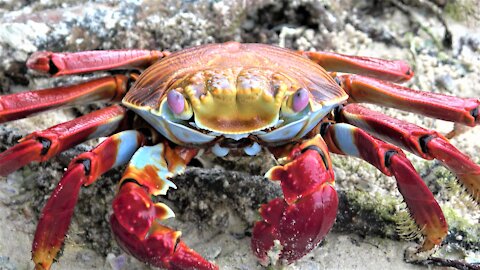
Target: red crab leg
[[450, 108], [346, 139], [390, 70], [302, 219], [42, 145], [53, 225], [16, 106], [136, 219], [425, 143], [58, 64]]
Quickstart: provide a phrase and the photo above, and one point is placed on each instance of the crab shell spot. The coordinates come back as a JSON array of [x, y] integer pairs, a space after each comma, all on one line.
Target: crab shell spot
[[251, 84]]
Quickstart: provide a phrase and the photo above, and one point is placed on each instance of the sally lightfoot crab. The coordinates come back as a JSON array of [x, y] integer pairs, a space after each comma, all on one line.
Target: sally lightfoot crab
[[240, 98]]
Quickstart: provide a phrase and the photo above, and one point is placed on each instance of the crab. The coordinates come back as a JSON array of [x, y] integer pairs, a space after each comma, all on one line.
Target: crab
[[233, 98]]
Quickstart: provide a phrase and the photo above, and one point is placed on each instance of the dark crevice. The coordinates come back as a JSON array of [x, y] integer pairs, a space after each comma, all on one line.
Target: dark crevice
[[87, 165], [323, 128], [388, 157], [177, 241], [475, 112], [337, 113], [424, 141], [130, 180], [52, 68], [46, 143]]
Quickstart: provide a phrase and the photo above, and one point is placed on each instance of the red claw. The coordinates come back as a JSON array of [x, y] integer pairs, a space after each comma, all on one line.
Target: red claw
[[299, 227], [136, 226], [301, 220]]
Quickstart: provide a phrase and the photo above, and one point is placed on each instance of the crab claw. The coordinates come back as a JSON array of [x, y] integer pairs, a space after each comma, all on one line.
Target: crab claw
[[301, 220], [136, 226]]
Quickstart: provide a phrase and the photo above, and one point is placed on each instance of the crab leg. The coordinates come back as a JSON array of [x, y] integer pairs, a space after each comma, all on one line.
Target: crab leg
[[42, 145], [363, 89], [136, 220], [21, 105], [427, 144], [348, 140], [115, 151], [59, 64], [390, 70], [301, 219]]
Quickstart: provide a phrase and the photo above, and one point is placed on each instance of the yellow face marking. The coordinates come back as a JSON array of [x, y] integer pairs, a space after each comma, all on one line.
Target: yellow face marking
[[236, 101]]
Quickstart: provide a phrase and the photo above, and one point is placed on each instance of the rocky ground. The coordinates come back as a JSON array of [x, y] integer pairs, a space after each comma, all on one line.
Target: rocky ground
[[216, 205]]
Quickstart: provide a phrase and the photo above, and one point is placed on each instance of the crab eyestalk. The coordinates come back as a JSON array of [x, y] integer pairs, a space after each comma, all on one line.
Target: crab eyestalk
[[178, 105], [296, 102]]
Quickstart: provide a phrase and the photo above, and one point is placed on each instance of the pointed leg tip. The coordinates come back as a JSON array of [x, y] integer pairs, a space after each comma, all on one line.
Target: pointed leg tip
[[41, 267], [186, 258], [419, 253], [42, 261]]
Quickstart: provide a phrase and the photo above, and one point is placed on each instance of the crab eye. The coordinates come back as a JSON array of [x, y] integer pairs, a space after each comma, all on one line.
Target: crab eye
[[178, 105], [176, 101], [295, 103], [300, 100]]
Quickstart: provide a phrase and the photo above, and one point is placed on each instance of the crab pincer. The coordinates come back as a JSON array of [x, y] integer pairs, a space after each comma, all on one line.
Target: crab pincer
[[136, 226], [136, 219], [302, 219]]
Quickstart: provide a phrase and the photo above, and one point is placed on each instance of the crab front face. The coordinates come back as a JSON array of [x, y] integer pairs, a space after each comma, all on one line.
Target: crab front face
[[250, 92], [235, 101]]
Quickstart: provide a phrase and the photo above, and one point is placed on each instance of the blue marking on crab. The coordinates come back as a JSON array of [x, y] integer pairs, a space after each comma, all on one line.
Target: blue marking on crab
[[220, 151], [127, 144], [297, 128], [176, 132], [345, 140], [253, 149], [153, 156]]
